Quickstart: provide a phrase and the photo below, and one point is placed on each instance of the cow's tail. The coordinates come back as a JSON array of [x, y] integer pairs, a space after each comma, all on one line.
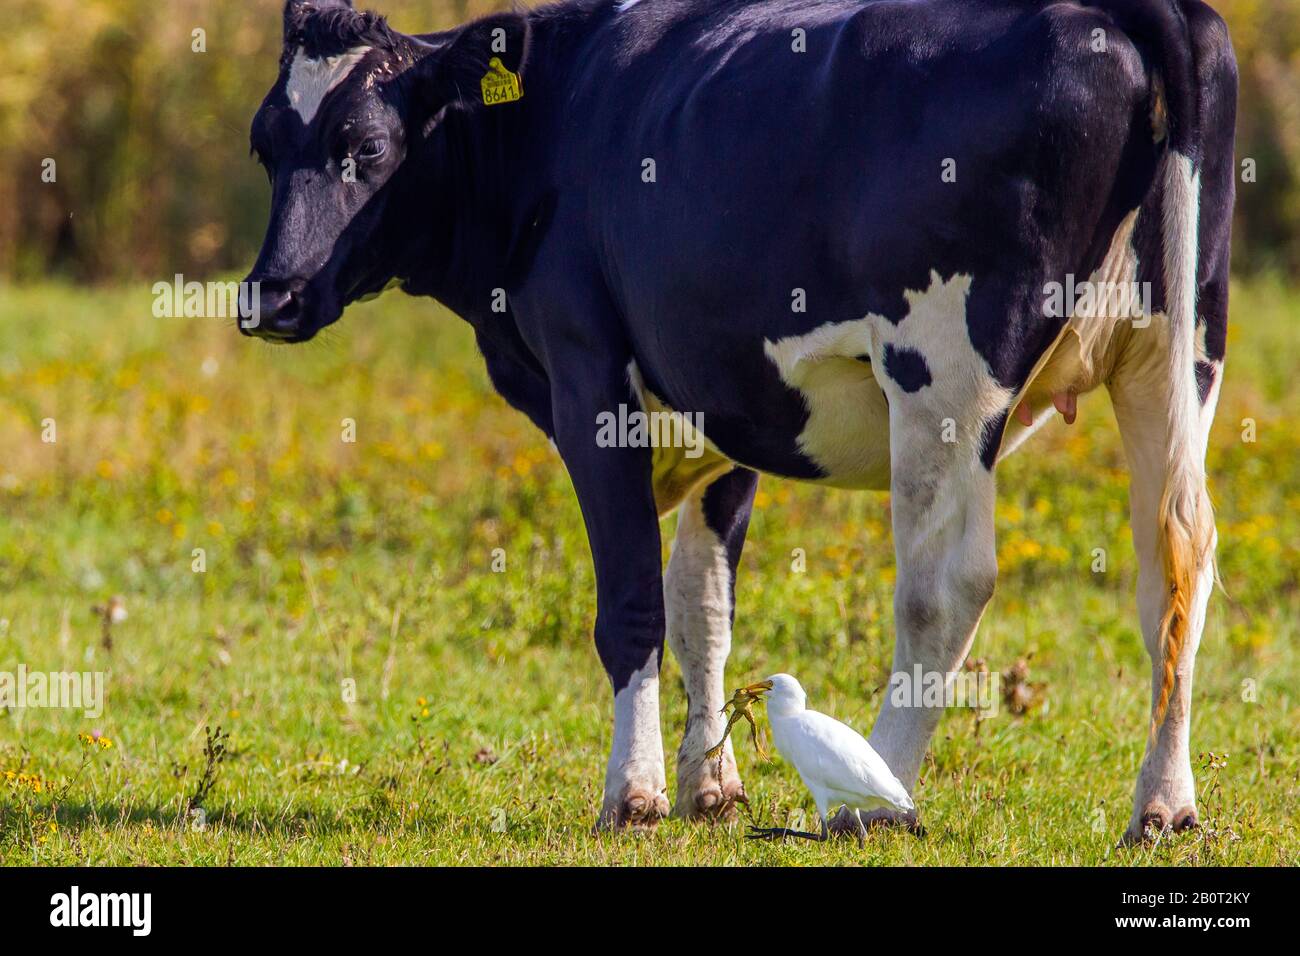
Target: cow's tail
[[1186, 521], [1186, 518]]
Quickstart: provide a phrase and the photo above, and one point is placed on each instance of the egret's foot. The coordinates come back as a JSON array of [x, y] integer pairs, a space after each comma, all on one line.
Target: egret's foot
[[845, 823], [1157, 820], [635, 809], [709, 789], [780, 833]]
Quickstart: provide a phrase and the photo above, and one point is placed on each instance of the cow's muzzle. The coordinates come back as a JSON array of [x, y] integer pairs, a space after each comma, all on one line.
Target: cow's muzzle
[[278, 312]]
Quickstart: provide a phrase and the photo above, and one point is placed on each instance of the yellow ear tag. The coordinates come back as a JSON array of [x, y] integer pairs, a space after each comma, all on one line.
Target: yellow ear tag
[[500, 85]]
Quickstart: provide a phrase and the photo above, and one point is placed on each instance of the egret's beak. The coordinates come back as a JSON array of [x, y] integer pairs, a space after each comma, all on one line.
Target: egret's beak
[[756, 691]]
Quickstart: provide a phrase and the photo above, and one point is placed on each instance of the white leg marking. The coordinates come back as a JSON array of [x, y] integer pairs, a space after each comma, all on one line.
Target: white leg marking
[[947, 566], [310, 80], [942, 499], [697, 602], [1166, 789], [635, 785]]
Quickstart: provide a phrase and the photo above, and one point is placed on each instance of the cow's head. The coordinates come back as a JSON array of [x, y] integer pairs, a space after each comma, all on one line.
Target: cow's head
[[341, 134]]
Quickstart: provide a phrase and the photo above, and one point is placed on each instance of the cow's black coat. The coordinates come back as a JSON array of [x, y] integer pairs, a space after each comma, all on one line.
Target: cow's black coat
[[773, 170]]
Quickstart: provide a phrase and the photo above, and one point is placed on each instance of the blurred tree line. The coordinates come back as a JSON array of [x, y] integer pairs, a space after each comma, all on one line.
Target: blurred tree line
[[149, 136]]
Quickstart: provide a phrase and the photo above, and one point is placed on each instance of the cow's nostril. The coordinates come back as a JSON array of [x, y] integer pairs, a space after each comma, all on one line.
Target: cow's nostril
[[277, 302], [279, 309], [286, 307]]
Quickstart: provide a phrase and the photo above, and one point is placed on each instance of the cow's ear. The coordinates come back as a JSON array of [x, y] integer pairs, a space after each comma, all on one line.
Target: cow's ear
[[495, 47]]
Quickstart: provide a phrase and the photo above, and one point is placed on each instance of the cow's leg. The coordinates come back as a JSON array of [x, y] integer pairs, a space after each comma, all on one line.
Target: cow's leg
[[1166, 791], [614, 490], [942, 499], [943, 437], [699, 598]]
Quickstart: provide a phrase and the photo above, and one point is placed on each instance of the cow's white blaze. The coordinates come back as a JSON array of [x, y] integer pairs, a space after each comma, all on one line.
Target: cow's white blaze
[[311, 80]]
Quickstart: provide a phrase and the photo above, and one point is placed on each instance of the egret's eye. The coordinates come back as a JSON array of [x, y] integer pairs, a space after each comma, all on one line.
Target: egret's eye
[[372, 149]]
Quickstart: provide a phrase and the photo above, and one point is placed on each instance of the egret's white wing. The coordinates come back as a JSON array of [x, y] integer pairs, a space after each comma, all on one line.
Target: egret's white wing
[[839, 759]]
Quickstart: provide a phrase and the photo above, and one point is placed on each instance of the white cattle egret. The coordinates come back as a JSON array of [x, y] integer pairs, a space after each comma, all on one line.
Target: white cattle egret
[[836, 763]]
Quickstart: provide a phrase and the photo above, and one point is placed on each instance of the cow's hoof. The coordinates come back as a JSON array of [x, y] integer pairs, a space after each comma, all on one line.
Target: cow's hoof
[[1186, 819], [1154, 821], [636, 810], [709, 792], [710, 800], [719, 802], [845, 822]]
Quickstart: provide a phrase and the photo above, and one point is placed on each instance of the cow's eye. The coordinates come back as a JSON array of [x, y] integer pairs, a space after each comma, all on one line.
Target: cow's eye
[[372, 149]]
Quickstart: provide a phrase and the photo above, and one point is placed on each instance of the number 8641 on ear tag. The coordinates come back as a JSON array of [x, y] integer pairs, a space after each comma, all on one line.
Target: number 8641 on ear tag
[[500, 85]]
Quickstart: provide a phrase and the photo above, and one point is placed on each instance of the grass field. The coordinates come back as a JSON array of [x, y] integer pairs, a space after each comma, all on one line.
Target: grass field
[[481, 717]]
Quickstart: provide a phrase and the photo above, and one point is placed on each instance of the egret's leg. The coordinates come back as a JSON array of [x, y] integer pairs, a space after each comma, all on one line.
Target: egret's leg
[[862, 827], [699, 589], [780, 833], [1166, 792]]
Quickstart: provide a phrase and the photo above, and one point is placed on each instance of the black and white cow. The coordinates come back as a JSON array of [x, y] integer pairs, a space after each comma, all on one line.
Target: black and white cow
[[826, 227]]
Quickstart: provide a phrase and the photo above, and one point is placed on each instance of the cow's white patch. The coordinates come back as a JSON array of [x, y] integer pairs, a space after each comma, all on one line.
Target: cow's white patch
[[636, 720], [936, 327], [636, 758], [697, 603], [311, 80], [847, 433], [626, 5]]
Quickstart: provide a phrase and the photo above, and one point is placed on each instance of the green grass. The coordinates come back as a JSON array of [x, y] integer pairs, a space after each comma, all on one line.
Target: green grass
[[329, 561]]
